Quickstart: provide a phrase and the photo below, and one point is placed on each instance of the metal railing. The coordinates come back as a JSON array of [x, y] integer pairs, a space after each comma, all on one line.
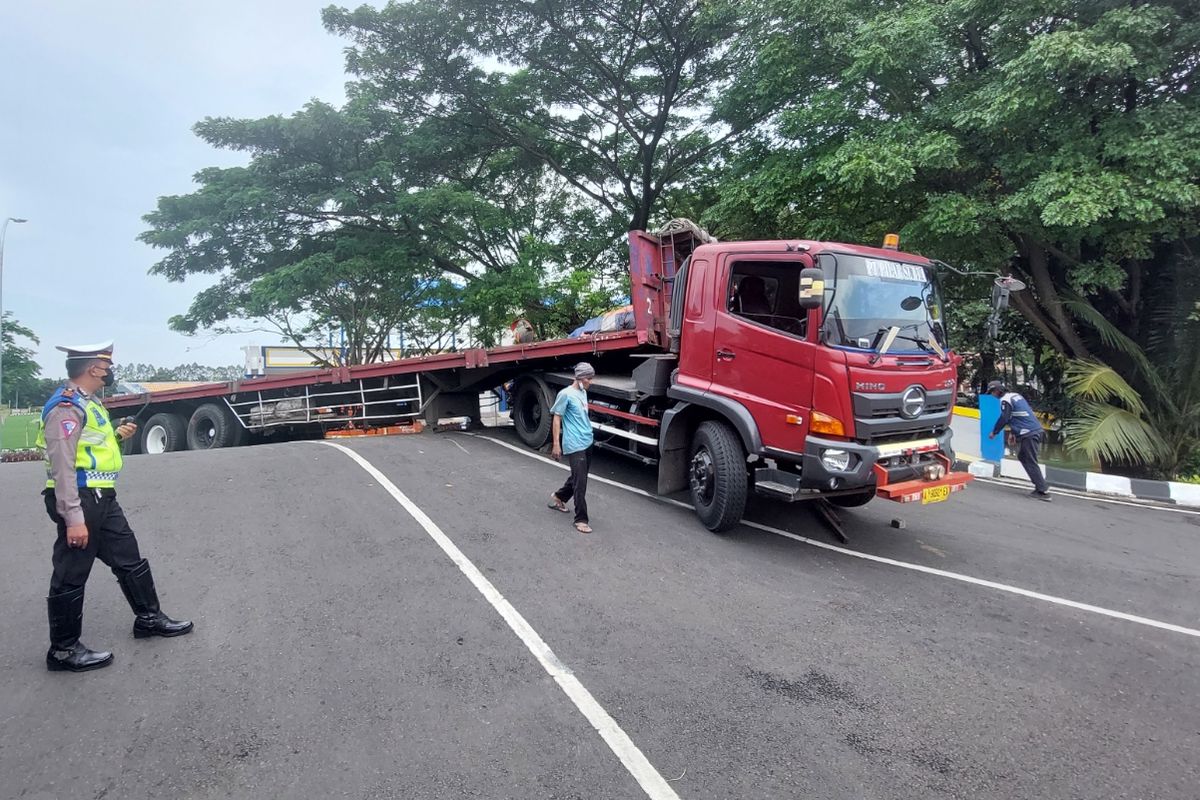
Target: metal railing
[[344, 406]]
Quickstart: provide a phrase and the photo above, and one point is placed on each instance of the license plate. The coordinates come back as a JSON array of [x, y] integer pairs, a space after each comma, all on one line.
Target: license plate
[[935, 494]]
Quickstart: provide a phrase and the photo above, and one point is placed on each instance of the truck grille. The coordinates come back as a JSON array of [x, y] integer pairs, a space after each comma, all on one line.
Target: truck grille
[[878, 415], [930, 408]]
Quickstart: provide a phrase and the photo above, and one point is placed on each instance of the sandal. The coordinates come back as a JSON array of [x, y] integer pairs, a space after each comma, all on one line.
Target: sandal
[[557, 505], [583, 527]]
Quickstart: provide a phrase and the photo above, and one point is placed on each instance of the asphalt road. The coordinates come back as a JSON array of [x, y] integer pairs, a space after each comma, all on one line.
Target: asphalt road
[[339, 652]]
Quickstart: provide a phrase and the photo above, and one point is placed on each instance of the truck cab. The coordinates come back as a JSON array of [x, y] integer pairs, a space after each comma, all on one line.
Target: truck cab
[[807, 370]]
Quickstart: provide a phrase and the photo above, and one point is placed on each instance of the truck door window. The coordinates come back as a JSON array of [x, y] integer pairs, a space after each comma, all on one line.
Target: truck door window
[[767, 293]]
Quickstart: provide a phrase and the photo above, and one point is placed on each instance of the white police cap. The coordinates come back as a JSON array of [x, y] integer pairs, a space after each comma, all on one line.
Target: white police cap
[[102, 350]]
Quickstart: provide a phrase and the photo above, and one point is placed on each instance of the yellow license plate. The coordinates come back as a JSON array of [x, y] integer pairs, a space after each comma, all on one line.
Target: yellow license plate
[[935, 494]]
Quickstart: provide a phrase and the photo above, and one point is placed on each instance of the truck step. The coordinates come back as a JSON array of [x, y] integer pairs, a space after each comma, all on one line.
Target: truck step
[[777, 483], [777, 490]]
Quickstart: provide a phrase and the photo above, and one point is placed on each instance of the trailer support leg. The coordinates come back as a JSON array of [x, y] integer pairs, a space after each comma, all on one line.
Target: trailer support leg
[[831, 519]]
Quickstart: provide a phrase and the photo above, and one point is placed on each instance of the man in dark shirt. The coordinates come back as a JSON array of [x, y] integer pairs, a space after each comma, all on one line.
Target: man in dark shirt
[[1018, 416]]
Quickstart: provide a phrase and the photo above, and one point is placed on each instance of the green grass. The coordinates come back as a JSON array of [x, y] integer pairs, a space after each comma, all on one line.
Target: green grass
[[18, 433]]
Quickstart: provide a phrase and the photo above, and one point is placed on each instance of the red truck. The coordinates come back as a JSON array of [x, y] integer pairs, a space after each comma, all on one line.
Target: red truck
[[793, 369]]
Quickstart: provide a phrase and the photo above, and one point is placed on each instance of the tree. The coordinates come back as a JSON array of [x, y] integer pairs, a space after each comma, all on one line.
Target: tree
[[1053, 141], [614, 97], [362, 223], [1154, 429], [486, 165], [292, 235], [20, 371]]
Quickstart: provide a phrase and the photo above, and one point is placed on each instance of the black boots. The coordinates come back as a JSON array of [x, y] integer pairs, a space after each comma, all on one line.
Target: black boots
[[66, 653], [65, 611], [138, 586]]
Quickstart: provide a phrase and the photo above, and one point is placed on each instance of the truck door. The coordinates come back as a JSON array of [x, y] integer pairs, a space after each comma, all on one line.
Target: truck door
[[763, 349], [696, 333]]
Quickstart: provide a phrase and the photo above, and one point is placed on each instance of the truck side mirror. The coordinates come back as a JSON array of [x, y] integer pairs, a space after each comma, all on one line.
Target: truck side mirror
[[1002, 287], [812, 287]]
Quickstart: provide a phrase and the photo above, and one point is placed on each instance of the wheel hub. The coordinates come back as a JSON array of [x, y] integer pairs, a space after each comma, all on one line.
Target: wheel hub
[[207, 436], [531, 414], [703, 475], [156, 440]]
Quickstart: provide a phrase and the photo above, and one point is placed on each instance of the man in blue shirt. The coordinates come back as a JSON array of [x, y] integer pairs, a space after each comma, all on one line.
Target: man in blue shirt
[[572, 437], [1017, 414]]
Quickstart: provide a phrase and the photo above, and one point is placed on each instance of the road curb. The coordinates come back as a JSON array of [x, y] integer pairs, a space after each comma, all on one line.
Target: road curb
[[1171, 492]]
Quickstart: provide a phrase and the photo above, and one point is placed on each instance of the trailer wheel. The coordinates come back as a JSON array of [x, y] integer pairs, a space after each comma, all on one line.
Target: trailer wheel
[[164, 433], [531, 413], [213, 426], [717, 476], [852, 500]]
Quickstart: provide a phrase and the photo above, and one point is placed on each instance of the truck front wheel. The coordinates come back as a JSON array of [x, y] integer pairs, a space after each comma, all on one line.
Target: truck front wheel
[[717, 476]]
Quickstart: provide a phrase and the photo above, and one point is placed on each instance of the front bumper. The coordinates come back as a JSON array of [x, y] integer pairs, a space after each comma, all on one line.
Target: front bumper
[[862, 471], [918, 470]]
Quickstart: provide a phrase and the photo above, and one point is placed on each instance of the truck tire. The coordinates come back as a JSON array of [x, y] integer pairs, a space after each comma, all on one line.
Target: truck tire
[[717, 476], [213, 426], [164, 433], [133, 446], [531, 413], [853, 500]]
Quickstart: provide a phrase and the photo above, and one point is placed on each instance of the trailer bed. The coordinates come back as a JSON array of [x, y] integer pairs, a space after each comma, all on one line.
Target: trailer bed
[[465, 359]]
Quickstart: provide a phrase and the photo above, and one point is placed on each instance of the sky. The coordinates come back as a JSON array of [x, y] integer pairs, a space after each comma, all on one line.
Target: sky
[[97, 104]]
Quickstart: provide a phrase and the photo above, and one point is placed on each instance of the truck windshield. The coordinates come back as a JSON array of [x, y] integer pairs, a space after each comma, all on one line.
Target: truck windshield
[[864, 297]]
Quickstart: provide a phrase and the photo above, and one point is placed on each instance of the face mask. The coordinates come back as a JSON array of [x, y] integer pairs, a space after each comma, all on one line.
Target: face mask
[[109, 378]]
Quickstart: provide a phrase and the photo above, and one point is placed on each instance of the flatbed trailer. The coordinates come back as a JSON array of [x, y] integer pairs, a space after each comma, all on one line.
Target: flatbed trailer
[[433, 387]]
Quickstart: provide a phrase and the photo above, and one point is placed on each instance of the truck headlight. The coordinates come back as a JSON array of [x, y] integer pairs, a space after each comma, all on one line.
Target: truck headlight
[[835, 460]]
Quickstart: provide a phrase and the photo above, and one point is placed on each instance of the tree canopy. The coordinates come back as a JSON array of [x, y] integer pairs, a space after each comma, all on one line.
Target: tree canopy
[[1055, 141], [20, 370], [491, 154]]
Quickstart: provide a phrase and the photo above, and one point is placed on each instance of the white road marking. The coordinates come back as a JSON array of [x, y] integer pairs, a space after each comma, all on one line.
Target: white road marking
[[1148, 505], [459, 446], [652, 783], [941, 573]]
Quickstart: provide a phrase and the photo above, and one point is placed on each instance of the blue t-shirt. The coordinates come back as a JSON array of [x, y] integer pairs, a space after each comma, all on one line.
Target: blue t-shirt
[[571, 405]]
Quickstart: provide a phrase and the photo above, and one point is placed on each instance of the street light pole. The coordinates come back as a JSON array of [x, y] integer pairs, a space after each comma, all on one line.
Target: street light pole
[[3, 233]]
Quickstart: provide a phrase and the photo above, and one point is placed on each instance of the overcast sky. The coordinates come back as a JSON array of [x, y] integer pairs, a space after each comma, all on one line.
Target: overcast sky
[[97, 103]]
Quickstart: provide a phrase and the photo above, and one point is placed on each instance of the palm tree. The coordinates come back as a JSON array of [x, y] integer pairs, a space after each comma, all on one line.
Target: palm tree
[[1145, 415], [1111, 423]]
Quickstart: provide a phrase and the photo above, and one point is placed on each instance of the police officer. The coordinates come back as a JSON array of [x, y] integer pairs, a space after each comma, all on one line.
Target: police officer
[[83, 460], [1017, 414]]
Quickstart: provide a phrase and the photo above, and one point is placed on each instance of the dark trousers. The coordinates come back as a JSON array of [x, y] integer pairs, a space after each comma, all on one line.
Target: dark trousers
[[576, 485], [109, 538], [1027, 453]]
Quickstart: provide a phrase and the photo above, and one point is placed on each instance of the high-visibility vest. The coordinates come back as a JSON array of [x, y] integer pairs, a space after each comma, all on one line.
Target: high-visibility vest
[[98, 455]]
